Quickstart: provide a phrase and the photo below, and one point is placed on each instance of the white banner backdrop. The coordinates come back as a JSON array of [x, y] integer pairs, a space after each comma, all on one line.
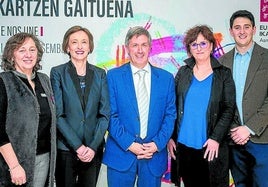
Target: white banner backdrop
[[109, 20]]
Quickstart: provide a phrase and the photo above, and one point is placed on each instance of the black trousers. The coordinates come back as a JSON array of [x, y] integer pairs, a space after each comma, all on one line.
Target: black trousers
[[192, 167], [71, 172]]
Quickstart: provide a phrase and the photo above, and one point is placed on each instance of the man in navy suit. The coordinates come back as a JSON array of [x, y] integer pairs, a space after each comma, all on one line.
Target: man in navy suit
[[129, 153]]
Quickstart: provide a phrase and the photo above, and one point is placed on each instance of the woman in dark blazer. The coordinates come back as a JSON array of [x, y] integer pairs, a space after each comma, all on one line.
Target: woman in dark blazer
[[82, 107]]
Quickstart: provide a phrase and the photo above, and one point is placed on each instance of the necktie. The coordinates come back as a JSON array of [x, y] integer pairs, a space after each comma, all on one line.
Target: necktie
[[143, 102]]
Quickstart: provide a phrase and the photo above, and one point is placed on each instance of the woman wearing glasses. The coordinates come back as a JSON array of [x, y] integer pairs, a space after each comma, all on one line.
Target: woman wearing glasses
[[205, 94]]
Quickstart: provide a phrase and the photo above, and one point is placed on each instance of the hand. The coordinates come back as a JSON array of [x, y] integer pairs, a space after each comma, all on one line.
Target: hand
[[85, 154], [240, 135], [82, 150], [136, 148], [148, 150], [212, 149], [171, 148], [18, 175], [90, 153]]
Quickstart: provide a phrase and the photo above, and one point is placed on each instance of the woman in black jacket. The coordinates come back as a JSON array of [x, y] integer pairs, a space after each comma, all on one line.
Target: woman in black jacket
[[205, 94]]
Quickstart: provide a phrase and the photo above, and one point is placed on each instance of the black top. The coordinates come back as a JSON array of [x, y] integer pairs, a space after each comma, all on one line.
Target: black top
[[43, 140]]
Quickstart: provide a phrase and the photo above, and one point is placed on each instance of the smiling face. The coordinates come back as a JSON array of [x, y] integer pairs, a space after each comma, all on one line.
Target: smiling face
[[25, 57], [201, 48], [243, 31], [138, 50], [78, 46]]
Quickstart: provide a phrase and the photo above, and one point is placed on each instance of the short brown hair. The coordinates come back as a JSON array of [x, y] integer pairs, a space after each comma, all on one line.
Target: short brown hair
[[73, 30], [192, 34]]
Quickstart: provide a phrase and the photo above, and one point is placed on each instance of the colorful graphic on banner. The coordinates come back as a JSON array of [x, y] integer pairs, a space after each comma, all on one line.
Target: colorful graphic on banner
[[167, 52]]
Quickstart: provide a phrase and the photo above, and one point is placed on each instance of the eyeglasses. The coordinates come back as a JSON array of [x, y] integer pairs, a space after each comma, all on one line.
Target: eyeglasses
[[202, 45]]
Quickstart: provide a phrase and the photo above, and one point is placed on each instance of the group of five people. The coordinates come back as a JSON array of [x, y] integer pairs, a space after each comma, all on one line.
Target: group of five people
[[211, 118]]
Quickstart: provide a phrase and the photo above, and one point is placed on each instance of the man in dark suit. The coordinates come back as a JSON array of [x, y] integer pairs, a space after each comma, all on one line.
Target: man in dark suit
[[249, 132], [131, 151]]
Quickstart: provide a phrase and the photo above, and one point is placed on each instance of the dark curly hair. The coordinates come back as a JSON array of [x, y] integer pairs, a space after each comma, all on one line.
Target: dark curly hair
[[192, 34]]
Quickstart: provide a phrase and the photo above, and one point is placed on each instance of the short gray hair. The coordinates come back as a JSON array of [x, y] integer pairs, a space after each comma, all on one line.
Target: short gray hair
[[137, 31]]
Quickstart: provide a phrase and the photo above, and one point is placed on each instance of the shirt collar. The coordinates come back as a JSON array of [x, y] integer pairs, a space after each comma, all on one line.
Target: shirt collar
[[135, 69], [249, 51]]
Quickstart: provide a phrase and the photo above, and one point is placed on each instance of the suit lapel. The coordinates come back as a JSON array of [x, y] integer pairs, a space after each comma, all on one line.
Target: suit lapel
[[254, 64], [153, 92], [229, 62], [75, 80], [89, 80], [130, 89]]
